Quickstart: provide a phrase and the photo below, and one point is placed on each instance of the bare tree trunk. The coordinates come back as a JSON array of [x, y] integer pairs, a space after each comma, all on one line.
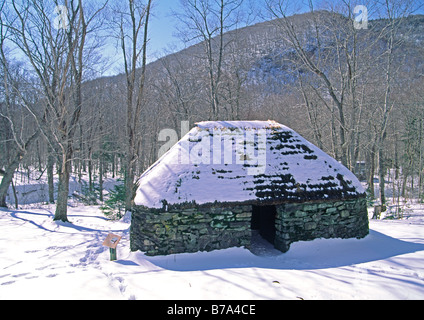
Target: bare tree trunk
[[7, 179], [371, 170], [15, 195], [381, 174], [10, 170], [50, 181], [101, 168], [138, 18], [61, 213]]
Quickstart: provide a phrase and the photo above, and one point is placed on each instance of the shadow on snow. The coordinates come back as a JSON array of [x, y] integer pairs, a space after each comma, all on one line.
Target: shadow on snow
[[317, 254]]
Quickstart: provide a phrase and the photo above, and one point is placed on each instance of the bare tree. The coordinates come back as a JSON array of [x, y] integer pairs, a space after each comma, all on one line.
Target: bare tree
[[133, 26], [207, 21], [56, 52], [395, 13], [16, 123], [337, 81]]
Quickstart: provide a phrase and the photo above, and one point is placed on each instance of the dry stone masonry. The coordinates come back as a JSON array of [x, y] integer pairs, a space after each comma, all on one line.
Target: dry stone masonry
[[309, 221], [207, 228], [190, 230], [226, 178]]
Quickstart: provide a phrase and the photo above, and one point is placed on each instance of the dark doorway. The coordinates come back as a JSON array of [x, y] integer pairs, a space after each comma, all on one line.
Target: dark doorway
[[263, 220]]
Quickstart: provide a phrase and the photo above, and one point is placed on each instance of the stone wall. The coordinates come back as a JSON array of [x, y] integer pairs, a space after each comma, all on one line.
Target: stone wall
[[190, 230], [309, 221], [193, 229]]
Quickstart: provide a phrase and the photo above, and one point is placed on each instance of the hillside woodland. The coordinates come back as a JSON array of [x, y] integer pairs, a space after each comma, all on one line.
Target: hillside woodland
[[355, 93]]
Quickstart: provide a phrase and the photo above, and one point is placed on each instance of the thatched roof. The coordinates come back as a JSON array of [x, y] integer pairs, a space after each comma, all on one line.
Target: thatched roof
[[244, 161]]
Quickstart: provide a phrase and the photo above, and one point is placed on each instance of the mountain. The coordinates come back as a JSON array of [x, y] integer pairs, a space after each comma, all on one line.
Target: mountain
[[263, 77], [269, 58], [271, 63]]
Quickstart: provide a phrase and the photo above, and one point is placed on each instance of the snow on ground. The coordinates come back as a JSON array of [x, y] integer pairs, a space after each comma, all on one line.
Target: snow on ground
[[42, 259], [32, 188]]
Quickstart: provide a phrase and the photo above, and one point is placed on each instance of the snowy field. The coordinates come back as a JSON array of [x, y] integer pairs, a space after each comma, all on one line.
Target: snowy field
[[42, 259]]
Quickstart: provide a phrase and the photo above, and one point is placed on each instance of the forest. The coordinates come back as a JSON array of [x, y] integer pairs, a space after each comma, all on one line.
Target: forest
[[350, 85]]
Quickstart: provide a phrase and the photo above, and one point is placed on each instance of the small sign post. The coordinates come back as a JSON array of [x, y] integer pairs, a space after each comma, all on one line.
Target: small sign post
[[112, 241]]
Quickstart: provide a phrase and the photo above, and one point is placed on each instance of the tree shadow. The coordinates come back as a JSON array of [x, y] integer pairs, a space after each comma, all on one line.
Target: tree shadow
[[20, 215], [15, 215], [317, 254]]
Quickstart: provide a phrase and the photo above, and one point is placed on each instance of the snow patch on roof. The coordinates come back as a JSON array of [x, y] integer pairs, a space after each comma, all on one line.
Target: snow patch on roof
[[213, 163]]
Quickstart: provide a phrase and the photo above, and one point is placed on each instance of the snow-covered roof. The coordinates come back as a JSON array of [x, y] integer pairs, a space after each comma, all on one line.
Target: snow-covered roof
[[244, 161]]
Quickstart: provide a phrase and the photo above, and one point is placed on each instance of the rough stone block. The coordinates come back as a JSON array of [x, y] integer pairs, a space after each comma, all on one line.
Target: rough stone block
[[345, 213], [310, 226]]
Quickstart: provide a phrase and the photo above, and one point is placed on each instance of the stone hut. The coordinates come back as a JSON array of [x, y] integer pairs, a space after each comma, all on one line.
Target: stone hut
[[225, 179]]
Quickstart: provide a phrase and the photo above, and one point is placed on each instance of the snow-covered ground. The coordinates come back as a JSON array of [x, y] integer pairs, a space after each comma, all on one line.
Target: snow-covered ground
[[42, 259], [32, 188]]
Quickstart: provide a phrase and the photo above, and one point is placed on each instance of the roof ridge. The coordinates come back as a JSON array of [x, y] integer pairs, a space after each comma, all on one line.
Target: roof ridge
[[238, 124]]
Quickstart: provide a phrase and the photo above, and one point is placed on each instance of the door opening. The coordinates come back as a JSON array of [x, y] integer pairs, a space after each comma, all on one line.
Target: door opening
[[263, 220]]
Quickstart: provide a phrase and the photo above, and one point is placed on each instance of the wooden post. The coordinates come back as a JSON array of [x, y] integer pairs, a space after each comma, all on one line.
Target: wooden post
[[112, 241], [113, 256]]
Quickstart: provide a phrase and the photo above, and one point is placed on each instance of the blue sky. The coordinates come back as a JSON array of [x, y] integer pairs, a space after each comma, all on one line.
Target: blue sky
[[163, 24], [161, 36], [163, 28]]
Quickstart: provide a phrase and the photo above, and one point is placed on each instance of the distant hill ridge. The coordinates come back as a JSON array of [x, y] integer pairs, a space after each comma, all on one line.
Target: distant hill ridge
[[262, 48]]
